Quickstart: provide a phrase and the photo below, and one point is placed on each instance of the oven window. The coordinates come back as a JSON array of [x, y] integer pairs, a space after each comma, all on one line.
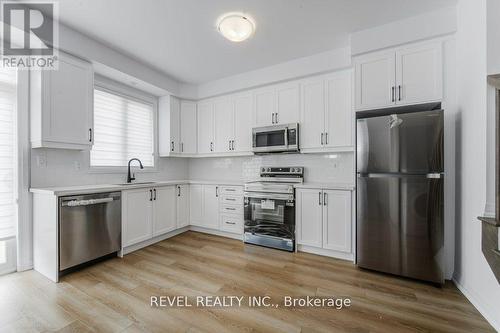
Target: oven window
[[269, 139], [270, 217]]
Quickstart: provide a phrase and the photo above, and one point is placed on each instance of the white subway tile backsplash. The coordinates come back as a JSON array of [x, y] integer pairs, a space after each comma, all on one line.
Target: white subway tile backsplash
[[327, 168]]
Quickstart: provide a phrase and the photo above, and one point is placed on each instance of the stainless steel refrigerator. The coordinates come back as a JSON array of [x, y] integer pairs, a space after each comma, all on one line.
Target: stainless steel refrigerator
[[400, 176]]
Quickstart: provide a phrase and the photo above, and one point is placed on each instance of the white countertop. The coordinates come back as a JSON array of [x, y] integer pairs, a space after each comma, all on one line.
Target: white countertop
[[99, 188], [327, 186]]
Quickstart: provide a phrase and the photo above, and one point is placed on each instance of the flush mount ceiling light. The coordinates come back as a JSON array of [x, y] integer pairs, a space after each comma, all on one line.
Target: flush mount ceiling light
[[236, 27]]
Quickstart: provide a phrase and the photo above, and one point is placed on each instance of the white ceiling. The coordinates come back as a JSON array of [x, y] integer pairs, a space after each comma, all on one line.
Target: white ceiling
[[179, 38]]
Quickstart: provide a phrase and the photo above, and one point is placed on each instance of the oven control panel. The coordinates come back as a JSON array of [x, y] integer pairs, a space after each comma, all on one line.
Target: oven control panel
[[282, 172]]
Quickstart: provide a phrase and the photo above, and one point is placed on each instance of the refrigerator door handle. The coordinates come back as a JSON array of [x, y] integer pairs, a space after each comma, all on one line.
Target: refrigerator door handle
[[436, 175]]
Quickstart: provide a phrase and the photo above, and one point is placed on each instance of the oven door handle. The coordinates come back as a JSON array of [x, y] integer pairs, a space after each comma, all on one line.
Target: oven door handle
[[286, 137], [269, 196]]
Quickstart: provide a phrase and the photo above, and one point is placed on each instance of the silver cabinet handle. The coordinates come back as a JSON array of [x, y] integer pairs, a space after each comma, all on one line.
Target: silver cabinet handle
[[154, 191], [230, 199], [90, 134], [319, 202], [77, 203], [229, 208], [182, 147], [399, 92], [272, 117], [217, 191], [326, 138], [322, 134], [276, 117], [150, 195], [172, 146], [232, 144], [227, 222], [393, 97], [211, 146], [178, 191], [229, 145], [325, 198]]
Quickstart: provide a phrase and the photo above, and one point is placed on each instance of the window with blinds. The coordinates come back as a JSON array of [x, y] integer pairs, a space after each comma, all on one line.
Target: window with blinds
[[8, 144], [123, 129]]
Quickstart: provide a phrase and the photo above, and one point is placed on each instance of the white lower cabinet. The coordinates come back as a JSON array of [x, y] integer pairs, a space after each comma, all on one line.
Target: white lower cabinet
[[231, 209], [137, 216], [164, 210], [324, 219], [204, 206], [182, 206], [153, 211]]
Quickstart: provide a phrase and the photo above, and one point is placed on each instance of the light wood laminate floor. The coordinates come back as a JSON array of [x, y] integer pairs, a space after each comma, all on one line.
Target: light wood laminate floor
[[114, 296]]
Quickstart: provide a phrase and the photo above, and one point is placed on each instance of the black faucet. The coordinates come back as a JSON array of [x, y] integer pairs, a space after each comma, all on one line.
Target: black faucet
[[130, 178]]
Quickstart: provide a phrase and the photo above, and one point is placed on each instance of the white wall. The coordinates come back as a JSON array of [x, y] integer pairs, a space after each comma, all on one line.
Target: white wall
[[472, 273], [67, 167], [324, 168], [420, 27]]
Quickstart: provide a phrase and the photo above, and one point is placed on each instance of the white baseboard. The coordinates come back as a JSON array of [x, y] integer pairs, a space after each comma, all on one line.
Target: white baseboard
[[492, 318], [325, 252], [216, 232], [135, 247]]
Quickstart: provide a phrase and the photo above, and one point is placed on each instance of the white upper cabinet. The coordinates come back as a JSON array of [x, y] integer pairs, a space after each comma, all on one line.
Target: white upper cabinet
[[406, 75], [188, 142], [224, 124], [287, 103], [419, 74], [327, 121], [265, 106], [243, 111], [312, 122], [375, 75], [339, 116], [164, 210], [61, 105], [277, 104], [206, 127], [169, 125]]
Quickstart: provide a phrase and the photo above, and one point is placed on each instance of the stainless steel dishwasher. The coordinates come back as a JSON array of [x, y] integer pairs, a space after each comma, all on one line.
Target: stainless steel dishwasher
[[89, 227]]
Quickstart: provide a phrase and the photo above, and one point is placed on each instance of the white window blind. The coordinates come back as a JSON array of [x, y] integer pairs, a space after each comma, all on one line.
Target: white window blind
[[8, 142], [123, 129]]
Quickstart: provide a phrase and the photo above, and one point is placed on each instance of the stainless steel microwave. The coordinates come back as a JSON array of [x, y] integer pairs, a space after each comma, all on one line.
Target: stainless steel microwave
[[276, 139]]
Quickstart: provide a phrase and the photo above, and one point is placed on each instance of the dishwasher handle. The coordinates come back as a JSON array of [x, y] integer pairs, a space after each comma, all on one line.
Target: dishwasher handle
[[77, 203]]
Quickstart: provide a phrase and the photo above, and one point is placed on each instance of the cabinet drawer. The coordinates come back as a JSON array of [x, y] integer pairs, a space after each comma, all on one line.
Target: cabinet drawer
[[231, 200], [231, 223], [231, 190], [231, 209]]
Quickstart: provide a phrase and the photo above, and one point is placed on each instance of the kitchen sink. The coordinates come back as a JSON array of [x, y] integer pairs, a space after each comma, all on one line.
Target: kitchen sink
[[138, 183]]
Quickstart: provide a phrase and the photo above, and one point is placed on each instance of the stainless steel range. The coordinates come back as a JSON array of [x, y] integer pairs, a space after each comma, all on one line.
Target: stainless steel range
[[270, 208]]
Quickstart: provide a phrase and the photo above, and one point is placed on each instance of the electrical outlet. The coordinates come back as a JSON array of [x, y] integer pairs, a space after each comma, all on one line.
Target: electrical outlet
[[41, 160]]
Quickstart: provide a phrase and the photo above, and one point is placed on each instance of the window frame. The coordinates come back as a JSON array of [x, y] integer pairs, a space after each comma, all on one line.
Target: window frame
[[116, 88]]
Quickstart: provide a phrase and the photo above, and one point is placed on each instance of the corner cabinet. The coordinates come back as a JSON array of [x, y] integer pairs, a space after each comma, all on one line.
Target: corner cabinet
[[204, 206], [61, 105], [177, 127], [401, 76], [324, 221]]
